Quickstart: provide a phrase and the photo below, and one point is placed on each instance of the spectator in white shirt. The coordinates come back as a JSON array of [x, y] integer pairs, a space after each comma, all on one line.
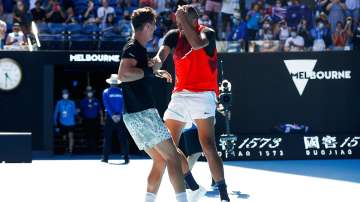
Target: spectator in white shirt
[[16, 37], [294, 42], [103, 11]]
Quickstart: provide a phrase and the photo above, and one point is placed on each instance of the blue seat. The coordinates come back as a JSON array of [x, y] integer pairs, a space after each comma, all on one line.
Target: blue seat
[[74, 28], [90, 29], [43, 28], [57, 28]]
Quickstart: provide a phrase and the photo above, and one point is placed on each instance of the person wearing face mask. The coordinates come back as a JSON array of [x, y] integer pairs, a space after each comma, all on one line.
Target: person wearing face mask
[[64, 119], [278, 12], [266, 32], [282, 32], [92, 117], [294, 42], [114, 103], [321, 36]]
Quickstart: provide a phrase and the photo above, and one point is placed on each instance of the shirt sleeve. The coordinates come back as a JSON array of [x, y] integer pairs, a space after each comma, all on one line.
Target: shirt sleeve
[[171, 38], [129, 52]]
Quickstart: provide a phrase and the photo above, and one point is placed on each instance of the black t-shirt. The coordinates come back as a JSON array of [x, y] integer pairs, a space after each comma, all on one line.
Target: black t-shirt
[[171, 39], [38, 14], [137, 94]]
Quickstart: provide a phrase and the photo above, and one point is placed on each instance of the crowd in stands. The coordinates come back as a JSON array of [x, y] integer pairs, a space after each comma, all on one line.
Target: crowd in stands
[[256, 25]]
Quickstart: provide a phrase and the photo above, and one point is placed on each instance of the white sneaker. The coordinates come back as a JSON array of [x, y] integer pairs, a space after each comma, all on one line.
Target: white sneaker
[[194, 196]]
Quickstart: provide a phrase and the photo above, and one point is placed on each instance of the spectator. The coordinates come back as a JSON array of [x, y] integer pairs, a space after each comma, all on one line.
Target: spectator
[[266, 32], [319, 7], [336, 13], [304, 32], [159, 5], [278, 12], [6, 17], [320, 35], [8, 7], [196, 4], [103, 11], [205, 20], [212, 9], [124, 5], [295, 12], [38, 13], [146, 3], [3, 28], [64, 118], [110, 23], [253, 18], [70, 16], [92, 115], [125, 28], [356, 37], [341, 35], [89, 15], [353, 7], [229, 7], [294, 42], [283, 32], [21, 16], [55, 13], [238, 32], [16, 38]]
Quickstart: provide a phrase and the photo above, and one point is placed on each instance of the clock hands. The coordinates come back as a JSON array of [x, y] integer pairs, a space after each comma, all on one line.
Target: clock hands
[[6, 79], [7, 76]]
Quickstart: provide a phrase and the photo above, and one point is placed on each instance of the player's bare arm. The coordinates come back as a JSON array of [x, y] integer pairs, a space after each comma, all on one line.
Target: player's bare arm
[[196, 40], [128, 71]]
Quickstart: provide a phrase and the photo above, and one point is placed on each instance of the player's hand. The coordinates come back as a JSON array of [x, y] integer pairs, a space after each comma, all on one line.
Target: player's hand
[[155, 62], [164, 75], [180, 13]]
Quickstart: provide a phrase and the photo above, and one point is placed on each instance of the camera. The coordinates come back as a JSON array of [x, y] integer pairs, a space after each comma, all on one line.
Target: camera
[[225, 97]]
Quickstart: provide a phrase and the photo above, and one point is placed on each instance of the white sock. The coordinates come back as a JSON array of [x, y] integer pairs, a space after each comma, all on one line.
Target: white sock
[[150, 197], [181, 197]]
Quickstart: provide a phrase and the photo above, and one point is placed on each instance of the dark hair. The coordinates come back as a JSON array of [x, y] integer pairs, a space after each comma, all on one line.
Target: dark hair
[[142, 16]]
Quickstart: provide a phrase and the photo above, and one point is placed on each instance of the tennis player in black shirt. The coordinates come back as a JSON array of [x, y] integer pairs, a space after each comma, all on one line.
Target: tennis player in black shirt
[[141, 118]]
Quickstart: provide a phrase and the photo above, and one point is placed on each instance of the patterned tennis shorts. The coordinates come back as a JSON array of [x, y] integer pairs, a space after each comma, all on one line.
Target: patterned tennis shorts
[[146, 128]]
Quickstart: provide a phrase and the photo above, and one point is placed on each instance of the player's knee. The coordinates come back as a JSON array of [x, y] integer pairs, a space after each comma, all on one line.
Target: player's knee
[[207, 144], [172, 157]]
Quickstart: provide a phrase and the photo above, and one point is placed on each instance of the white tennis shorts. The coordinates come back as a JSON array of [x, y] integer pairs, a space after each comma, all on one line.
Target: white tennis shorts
[[186, 106]]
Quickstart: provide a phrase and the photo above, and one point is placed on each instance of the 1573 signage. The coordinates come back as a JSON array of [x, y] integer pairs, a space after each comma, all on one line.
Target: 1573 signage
[[233, 147]]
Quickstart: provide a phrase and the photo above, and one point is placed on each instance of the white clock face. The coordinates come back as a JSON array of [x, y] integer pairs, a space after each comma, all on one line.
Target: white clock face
[[10, 74]]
